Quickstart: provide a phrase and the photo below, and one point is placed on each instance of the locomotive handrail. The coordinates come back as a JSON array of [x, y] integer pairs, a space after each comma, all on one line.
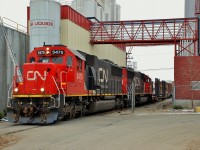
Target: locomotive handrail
[[58, 91], [61, 83], [9, 94]]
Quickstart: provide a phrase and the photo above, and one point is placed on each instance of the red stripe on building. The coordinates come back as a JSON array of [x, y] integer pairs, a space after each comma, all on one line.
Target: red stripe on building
[[68, 13]]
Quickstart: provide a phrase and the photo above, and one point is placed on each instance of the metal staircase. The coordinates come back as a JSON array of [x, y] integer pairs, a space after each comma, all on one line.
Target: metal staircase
[[12, 55]]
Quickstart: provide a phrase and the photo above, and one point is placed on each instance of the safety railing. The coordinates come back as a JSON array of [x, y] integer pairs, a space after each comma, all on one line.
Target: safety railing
[[14, 25], [144, 31], [66, 2]]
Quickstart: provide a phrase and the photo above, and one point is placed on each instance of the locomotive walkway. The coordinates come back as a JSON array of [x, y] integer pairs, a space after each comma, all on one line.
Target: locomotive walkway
[[182, 32]]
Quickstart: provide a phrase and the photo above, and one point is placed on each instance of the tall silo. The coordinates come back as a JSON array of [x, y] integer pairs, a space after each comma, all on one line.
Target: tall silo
[[110, 9], [118, 12], [44, 22], [78, 6], [90, 8], [189, 13], [189, 8], [103, 10]]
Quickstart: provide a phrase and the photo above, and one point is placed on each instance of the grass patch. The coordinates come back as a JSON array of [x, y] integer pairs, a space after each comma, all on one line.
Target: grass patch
[[1, 115], [177, 107]]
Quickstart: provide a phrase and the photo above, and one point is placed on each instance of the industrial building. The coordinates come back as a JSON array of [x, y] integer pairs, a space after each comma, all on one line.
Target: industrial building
[[73, 30], [186, 68], [102, 10], [19, 42], [73, 26]]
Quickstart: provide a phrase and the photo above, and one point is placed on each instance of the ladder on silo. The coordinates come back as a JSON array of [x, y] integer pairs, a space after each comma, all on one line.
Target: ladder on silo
[[14, 60]]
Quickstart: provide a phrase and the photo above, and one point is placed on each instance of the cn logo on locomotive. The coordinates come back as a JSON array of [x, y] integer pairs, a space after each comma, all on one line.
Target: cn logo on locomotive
[[32, 75], [103, 75]]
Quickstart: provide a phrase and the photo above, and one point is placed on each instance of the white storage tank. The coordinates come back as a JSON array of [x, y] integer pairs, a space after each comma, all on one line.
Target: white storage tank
[[78, 6], [118, 12], [106, 17], [189, 12], [110, 9], [44, 22], [90, 8], [100, 13], [189, 8]]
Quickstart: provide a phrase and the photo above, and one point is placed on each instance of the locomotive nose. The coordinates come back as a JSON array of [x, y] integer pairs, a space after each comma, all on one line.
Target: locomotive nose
[[39, 78]]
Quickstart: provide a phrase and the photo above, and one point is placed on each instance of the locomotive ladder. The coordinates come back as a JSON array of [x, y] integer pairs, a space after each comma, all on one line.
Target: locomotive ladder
[[182, 32], [14, 60]]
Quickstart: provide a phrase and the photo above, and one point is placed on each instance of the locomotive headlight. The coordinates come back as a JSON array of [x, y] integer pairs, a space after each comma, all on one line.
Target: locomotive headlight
[[47, 52], [16, 90], [42, 89]]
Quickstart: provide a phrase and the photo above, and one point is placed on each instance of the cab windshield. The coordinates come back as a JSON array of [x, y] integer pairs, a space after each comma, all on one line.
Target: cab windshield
[[56, 60], [44, 59]]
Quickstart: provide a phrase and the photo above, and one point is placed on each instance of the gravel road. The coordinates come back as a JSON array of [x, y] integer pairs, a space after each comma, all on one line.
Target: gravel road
[[152, 127]]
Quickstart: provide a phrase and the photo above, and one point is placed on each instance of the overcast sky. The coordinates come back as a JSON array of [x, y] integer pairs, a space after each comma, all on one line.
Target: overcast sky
[[146, 57], [155, 57]]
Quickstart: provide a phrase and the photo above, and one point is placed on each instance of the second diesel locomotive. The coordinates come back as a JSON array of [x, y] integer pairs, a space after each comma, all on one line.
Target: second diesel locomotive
[[59, 82]]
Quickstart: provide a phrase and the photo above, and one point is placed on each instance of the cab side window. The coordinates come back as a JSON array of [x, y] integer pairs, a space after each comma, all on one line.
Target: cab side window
[[79, 64], [69, 61], [32, 60]]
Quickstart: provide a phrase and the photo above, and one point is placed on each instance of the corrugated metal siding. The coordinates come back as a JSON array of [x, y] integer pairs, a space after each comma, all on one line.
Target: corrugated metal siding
[[20, 45], [76, 37], [110, 52]]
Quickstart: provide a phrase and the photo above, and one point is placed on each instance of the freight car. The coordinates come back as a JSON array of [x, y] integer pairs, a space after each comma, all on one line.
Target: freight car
[[59, 82], [163, 89]]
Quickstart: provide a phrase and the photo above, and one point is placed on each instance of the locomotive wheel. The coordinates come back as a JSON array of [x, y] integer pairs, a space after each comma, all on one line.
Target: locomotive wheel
[[78, 114], [65, 118], [149, 99]]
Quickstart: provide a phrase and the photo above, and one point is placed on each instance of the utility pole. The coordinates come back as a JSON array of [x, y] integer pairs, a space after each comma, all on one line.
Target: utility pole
[[133, 97], [173, 95]]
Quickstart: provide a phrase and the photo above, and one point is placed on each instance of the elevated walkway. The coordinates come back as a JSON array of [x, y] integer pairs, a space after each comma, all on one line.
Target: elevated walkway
[[181, 32]]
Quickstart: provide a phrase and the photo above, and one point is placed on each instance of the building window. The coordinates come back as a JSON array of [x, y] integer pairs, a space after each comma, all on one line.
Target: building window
[[195, 85]]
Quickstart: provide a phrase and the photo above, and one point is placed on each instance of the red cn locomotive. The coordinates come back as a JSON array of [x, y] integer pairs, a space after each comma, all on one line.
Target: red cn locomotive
[[59, 82]]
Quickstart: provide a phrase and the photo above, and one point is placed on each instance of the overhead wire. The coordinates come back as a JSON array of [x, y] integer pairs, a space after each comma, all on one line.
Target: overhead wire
[[158, 69]]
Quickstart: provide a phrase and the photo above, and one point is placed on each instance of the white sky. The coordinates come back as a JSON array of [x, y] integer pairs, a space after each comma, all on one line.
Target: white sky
[[157, 56], [146, 57]]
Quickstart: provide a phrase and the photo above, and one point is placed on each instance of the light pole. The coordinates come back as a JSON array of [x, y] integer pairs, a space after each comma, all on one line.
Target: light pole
[[133, 97]]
